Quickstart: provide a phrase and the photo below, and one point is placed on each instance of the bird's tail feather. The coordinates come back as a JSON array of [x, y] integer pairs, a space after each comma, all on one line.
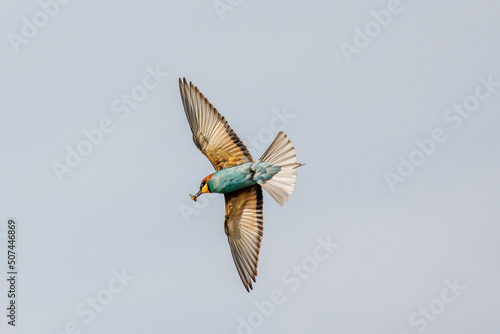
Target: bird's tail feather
[[281, 153]]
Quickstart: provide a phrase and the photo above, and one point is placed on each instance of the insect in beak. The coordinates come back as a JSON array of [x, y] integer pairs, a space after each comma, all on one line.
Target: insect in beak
[[195, 197]]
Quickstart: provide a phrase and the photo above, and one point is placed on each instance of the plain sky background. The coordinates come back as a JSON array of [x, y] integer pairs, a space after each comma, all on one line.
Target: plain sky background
[[121, 208]]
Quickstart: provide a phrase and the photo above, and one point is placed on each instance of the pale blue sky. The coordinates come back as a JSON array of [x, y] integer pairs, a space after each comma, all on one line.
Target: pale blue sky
[[125, 206]]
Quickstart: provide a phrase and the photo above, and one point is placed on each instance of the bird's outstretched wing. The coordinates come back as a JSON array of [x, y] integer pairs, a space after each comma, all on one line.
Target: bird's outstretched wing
[[243, 225], [211, 132]]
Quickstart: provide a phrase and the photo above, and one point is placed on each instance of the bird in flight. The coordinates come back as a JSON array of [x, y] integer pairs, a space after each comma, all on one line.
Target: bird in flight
[[239, 177]]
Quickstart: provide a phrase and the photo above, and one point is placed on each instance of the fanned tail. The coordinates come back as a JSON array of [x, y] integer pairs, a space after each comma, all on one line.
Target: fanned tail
[[281, 153]]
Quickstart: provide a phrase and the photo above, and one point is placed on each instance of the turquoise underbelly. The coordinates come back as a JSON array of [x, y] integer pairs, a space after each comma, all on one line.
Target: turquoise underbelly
[[235, 178], [231, 179]]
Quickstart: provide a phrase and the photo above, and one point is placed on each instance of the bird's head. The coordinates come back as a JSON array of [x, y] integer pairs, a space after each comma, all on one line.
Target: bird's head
[[203, 188]]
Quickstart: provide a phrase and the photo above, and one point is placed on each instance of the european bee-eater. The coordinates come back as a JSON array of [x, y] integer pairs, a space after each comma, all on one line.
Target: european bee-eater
[[239, 177]]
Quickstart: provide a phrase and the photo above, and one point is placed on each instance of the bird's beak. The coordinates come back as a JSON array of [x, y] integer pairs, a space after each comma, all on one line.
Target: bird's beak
[[203, 190], [195, 197]]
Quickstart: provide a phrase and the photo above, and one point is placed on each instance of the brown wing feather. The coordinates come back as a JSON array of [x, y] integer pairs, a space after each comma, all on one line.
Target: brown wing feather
[[243, 225], [211, 133]]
